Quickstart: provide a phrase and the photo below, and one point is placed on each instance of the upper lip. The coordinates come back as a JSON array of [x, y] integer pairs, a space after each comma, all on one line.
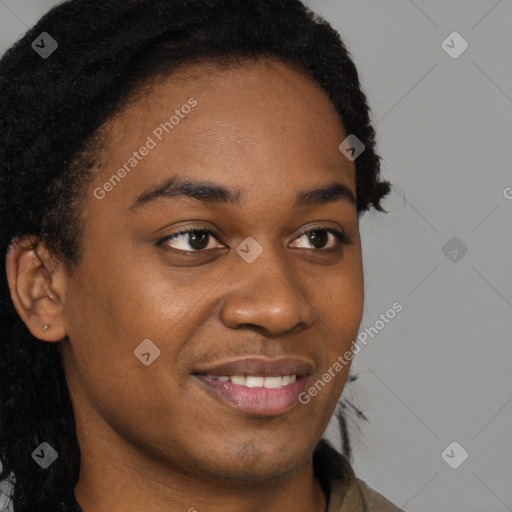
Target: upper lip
[[261, 366]]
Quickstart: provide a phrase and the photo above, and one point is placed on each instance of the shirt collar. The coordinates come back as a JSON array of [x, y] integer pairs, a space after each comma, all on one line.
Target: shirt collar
[[337, 478]]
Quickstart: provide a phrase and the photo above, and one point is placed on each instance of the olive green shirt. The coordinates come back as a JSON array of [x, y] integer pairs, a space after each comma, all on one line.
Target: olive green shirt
[[345, 492]]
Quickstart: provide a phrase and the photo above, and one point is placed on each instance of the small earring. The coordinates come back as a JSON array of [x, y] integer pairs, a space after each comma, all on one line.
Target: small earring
[[45, 327]]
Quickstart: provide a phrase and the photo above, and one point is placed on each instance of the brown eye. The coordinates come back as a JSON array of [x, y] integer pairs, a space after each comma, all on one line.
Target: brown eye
[[190, 240], [319, 238]]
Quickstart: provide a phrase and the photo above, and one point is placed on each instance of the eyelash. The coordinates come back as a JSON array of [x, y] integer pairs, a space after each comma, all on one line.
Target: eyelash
[[341, 236]]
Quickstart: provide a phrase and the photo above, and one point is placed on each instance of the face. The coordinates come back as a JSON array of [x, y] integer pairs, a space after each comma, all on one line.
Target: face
[[193, 347]]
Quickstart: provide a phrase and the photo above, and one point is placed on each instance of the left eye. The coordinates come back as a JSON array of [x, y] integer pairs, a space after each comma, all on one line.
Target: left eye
[[320, 236], [197, 240]]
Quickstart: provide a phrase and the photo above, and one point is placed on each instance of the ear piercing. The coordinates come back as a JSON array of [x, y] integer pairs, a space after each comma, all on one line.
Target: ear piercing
[[45, 327]]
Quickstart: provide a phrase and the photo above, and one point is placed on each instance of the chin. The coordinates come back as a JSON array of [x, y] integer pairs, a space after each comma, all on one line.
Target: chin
[[248, 463]]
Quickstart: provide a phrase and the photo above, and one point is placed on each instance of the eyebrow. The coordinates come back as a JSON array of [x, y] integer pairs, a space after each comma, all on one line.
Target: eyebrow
[[215, 193]]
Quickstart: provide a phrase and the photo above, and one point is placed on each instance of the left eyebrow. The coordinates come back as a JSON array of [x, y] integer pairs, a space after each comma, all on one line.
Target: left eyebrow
[[327, 194], [216, 193]]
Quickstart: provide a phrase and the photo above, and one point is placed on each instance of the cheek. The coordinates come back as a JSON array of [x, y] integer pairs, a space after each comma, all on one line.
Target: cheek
[[129, 298], [107, 377], [340, 304], [340, 298]]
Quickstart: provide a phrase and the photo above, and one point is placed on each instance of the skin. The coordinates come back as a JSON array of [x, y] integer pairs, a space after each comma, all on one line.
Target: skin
[[151, 437]]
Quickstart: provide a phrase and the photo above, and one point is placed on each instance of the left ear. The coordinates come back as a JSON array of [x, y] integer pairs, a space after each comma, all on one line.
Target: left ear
[[37, 282]]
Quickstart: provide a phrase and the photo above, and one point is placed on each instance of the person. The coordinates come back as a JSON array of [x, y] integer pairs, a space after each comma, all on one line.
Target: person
[[181, 188]]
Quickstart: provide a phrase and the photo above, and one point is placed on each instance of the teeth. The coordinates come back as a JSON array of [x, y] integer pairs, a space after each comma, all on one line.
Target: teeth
[[253, 381], [273, 382]]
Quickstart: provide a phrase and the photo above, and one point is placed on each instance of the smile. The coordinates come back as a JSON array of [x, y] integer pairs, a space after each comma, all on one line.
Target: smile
[[251, 381], [250, 394]]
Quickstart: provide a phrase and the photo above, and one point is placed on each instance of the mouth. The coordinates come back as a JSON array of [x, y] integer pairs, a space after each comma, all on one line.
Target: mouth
[[257, 386]]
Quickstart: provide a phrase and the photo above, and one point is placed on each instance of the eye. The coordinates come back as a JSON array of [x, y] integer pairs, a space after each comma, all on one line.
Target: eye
[[319, 237], [197, 239], [189, 240]]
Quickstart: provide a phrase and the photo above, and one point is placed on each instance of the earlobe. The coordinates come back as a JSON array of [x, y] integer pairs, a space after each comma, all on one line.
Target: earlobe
[[37, 281]]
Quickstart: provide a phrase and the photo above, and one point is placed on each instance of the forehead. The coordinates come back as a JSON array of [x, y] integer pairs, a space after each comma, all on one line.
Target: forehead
[[253, 124]]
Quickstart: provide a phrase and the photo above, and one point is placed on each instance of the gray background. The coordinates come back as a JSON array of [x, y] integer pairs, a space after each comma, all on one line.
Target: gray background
[[439, 371]]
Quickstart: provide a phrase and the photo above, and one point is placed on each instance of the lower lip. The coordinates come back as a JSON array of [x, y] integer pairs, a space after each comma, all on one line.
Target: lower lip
[[262, 401]]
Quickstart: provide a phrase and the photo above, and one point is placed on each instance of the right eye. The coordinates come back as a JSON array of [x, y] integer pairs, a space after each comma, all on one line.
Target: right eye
[[191, 240]]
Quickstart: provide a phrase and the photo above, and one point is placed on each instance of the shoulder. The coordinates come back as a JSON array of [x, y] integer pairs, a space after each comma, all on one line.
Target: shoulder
[[346, 492], [374, 501]]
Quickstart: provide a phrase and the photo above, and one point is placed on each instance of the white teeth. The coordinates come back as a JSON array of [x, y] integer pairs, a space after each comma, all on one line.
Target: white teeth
[[273, 382], [254, 381]]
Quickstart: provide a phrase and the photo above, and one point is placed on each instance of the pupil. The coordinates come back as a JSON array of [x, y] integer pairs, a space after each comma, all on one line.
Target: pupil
[[315, 238], [198, 238]]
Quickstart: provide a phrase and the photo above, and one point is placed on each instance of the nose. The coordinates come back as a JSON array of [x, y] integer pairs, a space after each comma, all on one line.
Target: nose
[[267, 296]]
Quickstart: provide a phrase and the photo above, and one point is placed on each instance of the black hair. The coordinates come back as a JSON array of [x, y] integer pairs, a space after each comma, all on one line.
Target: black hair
[[51, 112]]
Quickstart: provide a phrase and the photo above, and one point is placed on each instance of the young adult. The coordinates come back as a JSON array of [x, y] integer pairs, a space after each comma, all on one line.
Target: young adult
[[181, 187]]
